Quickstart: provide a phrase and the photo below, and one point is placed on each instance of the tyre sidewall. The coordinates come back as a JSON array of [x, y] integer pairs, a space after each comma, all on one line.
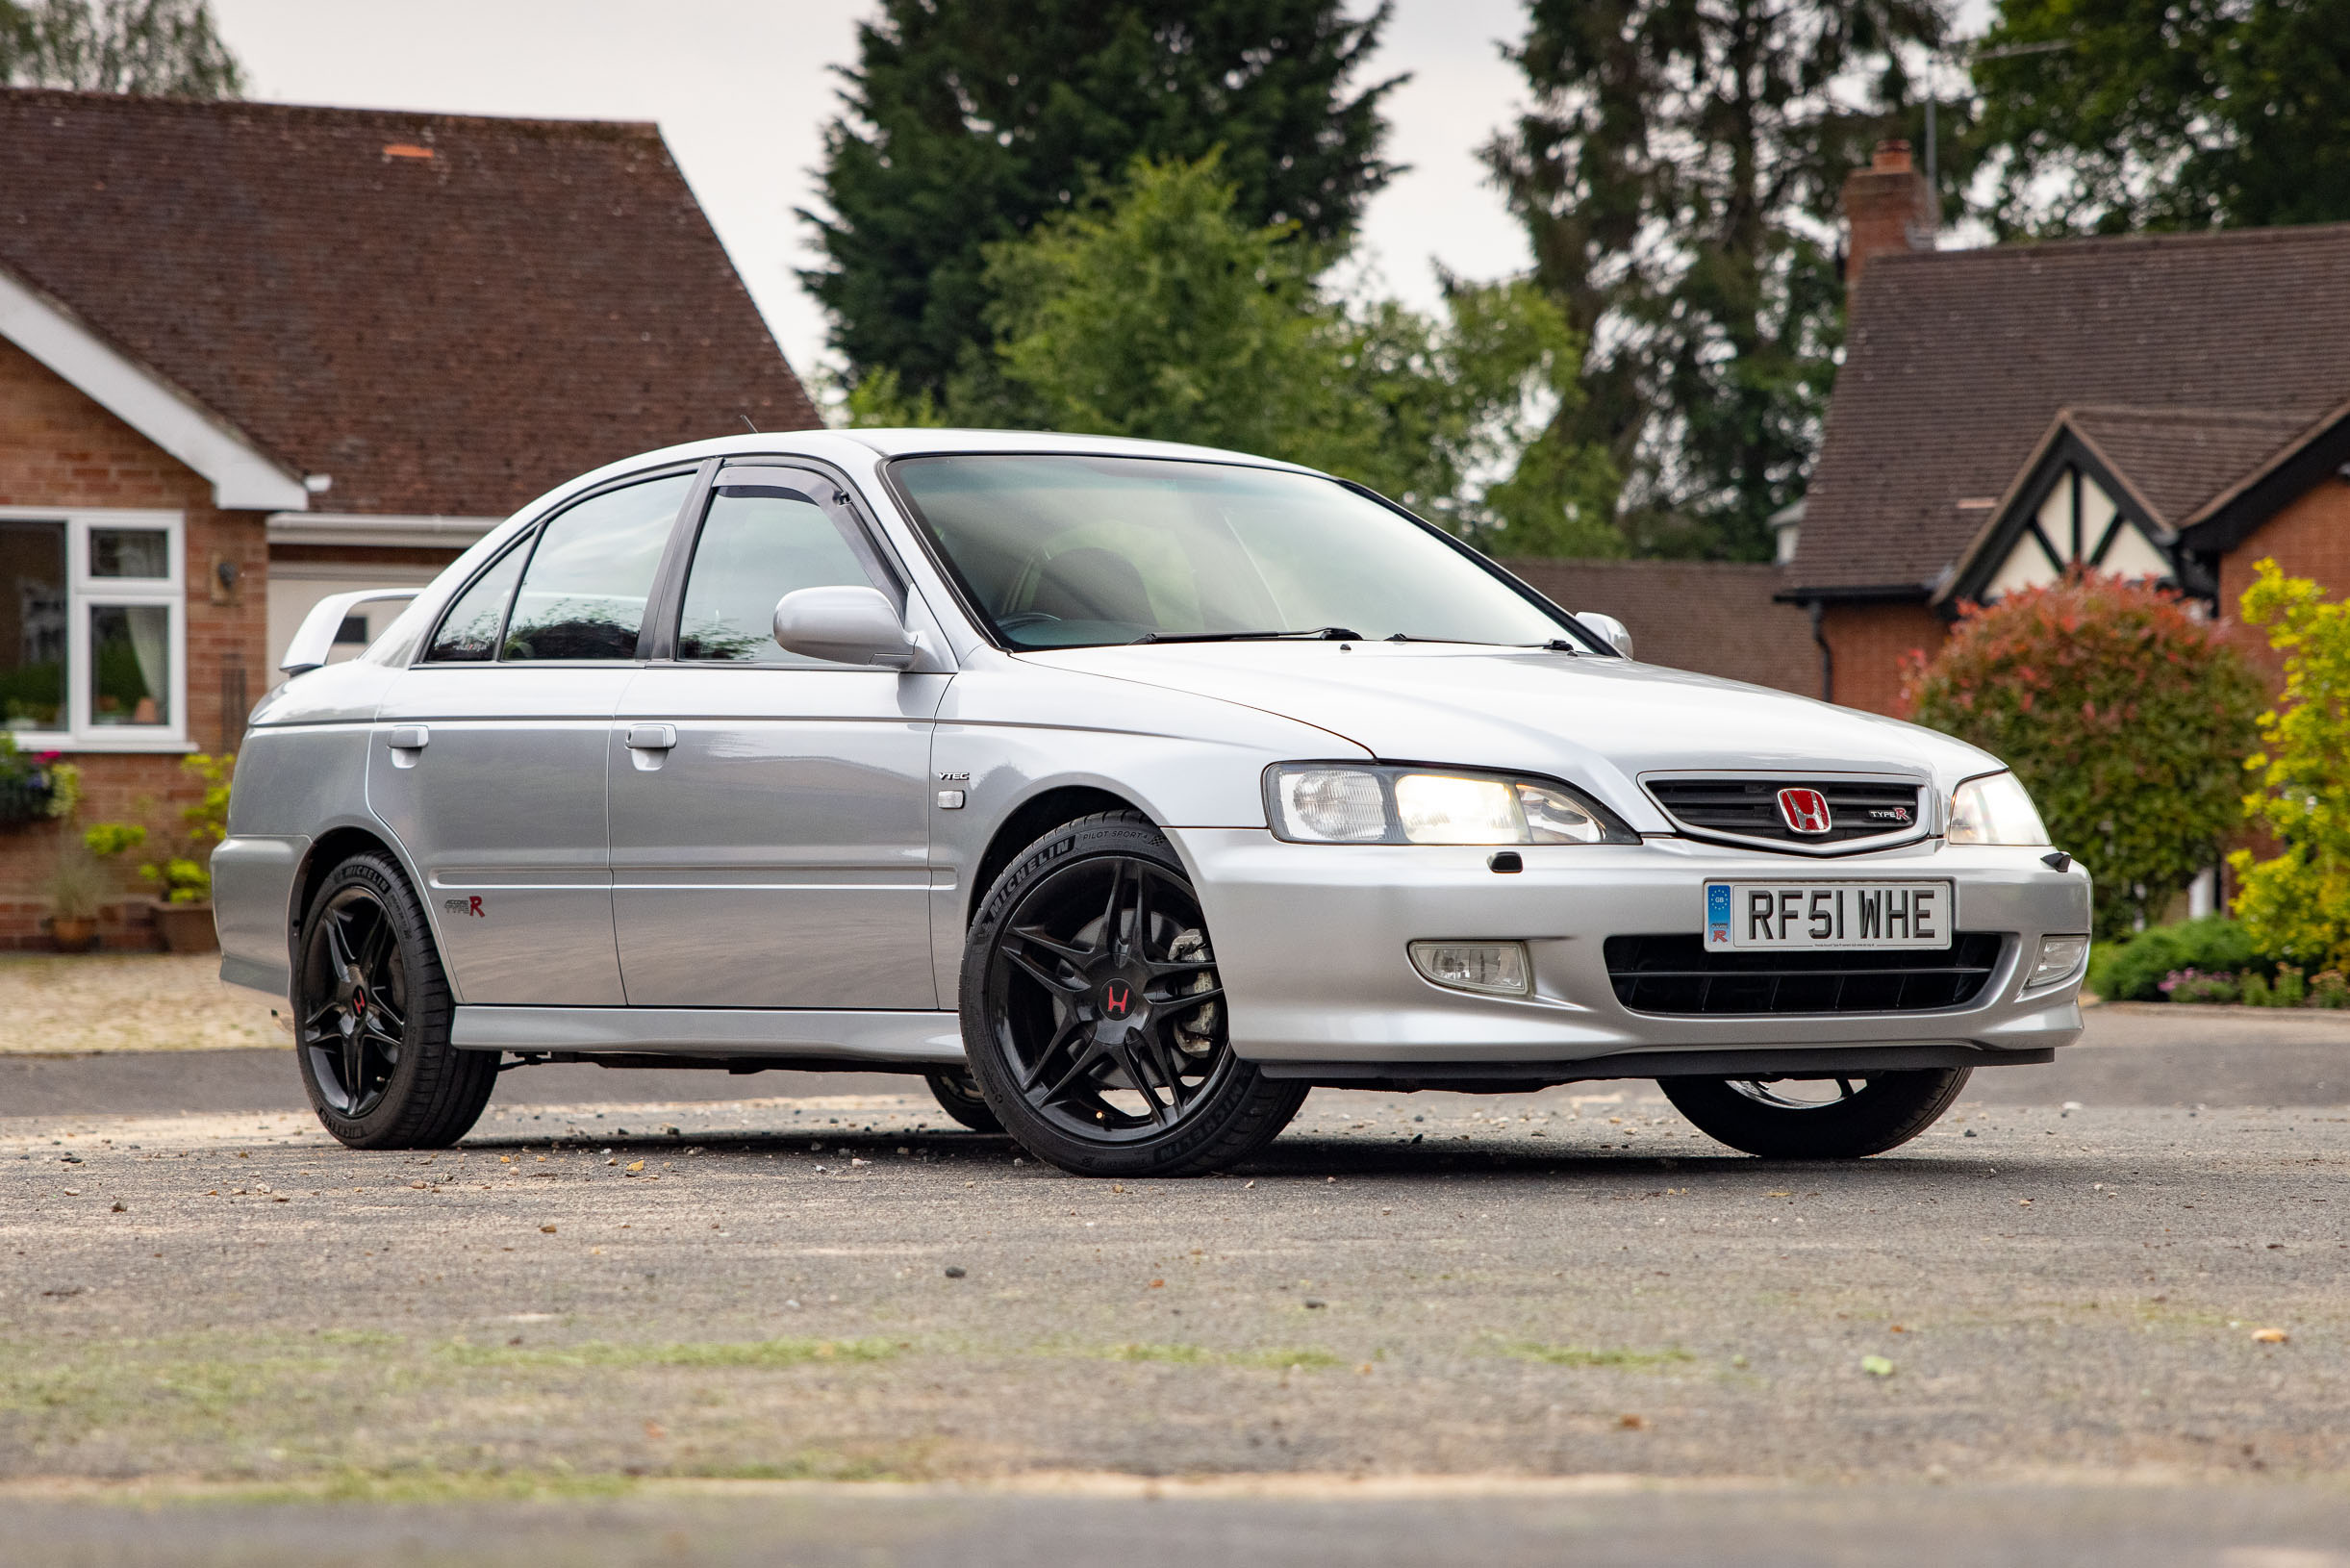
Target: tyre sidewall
[[393, 1121], [1895, 1108]]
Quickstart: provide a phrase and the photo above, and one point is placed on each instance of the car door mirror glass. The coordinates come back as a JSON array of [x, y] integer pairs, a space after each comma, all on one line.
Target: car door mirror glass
[[853, 625]]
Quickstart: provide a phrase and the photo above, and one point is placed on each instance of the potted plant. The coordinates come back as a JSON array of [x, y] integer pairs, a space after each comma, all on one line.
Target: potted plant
[[76, 890], [183, 909]]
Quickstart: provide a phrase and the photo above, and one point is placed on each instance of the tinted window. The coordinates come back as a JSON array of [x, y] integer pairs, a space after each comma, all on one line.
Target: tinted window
[[1070, 551], [583, 593], [469, 630], [755, 548]]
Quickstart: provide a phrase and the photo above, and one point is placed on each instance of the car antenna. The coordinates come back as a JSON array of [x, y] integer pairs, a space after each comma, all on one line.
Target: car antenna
[[747, 424]]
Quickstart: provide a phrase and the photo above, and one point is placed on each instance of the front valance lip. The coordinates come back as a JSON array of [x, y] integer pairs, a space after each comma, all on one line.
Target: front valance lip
[[1613, 829]]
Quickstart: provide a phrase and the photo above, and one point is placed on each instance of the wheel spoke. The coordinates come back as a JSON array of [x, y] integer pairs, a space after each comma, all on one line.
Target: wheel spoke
[[1162, 969], [339, 946], [1037, 935], [1112, 941], [354, 1069], [1130, 1059], [1081, 1063], [1168, 1057], [1041, 975], [1184, 1001], [1062, 1038], [1140, 946], [325, 1011], [377, 946], [1845, 1086], [395, 1021]]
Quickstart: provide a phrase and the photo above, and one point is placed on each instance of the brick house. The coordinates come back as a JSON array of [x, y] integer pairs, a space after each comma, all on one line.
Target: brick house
[[2170, 406], [1715, 618], [253, 354]]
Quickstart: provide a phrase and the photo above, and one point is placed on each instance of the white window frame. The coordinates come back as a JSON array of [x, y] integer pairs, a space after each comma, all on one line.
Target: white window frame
[[84, 593]]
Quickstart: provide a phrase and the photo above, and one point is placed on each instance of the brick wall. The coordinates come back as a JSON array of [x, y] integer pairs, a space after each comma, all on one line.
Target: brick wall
[[1870, 643], [59, 449], [2308, 538]]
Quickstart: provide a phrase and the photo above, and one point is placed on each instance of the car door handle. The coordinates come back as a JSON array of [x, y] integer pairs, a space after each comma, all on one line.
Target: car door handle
[[651, 737], [409, 737]]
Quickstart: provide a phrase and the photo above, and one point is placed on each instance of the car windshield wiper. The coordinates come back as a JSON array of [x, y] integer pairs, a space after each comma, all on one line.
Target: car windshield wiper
[[1556, 644], [1320, 634]]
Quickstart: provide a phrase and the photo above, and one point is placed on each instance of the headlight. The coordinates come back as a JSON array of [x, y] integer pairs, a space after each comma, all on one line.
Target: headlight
[[1995, 809], [1345, 803]]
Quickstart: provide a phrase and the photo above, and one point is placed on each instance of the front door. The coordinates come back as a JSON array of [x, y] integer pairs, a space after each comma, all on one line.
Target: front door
[[770, 812], [488, 758]]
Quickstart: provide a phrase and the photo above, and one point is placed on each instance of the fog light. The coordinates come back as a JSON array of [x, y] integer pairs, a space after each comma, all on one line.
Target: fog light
[[2060, 956], [1494, 968]]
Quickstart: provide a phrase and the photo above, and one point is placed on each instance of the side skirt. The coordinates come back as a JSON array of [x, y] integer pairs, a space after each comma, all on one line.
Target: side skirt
[[823, 1037]]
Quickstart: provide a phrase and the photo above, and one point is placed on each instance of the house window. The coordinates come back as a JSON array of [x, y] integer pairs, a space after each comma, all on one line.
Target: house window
[[93, 629]]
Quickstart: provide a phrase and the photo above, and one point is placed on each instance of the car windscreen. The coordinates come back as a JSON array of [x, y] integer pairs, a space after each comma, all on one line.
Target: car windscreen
[[1077, 551]]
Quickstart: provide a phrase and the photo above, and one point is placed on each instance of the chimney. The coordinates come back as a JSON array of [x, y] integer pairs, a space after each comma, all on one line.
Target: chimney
[[1888, 207]]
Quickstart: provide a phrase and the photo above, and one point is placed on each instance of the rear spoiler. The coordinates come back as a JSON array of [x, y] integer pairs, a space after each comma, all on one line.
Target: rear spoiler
[[317, 638]]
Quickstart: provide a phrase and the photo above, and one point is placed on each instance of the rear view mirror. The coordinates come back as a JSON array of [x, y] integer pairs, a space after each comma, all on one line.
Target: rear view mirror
[[843, 625], [1616, 634]]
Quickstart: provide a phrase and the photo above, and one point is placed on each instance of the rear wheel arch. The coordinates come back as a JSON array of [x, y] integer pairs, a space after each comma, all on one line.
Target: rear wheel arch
[[328, 850]]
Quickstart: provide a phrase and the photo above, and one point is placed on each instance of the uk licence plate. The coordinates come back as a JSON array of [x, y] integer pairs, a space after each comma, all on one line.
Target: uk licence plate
[[1850, 914]]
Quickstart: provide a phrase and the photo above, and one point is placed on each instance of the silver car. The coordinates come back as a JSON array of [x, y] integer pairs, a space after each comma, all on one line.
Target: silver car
[[1127, 792]]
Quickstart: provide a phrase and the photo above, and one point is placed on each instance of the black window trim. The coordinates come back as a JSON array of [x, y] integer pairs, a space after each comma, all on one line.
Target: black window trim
[[830, 494], [528, 540]]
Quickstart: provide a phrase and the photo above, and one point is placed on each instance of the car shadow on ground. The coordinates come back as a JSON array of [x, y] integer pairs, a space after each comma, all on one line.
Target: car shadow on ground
[[1323, 1158]]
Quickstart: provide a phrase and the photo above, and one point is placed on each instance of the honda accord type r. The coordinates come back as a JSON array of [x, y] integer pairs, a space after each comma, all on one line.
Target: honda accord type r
[[1128, 791]]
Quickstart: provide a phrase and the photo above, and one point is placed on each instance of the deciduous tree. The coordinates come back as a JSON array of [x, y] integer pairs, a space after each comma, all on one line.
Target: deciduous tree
[[2124, 714], [2296, 903], [161, 47], [2168, 113], [1156, 311]]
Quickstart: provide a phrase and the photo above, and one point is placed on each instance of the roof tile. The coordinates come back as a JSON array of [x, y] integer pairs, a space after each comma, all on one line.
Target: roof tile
[[448, 334]]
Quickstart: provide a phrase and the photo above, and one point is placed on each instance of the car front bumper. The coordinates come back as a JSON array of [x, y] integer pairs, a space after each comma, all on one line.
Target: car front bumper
[[1310, 944]]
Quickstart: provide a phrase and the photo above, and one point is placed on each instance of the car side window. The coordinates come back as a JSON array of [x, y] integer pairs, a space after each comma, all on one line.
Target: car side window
[[583, 593], [469, 632], [759, 542]]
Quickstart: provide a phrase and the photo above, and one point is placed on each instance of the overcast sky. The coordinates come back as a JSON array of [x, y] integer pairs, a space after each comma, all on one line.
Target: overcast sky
[[741, 89]]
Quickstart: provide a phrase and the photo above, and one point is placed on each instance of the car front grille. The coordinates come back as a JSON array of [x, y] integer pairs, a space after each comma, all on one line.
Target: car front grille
[[1748, 808], [1677, 975]]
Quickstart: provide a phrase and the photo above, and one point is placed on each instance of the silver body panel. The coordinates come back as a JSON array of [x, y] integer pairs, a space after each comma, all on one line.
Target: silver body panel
[[783, 880], [501, 816], [778, 854]]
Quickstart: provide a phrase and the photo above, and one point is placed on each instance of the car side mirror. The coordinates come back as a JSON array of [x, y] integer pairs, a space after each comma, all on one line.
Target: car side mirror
[[854, 624], [1618, 636]]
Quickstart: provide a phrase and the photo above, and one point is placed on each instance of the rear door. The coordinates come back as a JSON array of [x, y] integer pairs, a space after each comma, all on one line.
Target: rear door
[[770, 812], [489, 757]]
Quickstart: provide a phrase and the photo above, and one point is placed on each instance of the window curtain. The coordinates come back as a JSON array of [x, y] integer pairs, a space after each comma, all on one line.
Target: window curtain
[[150, 627]]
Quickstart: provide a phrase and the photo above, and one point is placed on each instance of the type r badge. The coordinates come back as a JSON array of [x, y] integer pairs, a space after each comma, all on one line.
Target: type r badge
[[465, 907]]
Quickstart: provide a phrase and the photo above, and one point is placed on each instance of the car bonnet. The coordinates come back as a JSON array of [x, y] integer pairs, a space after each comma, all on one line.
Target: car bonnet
[[1596, 721]]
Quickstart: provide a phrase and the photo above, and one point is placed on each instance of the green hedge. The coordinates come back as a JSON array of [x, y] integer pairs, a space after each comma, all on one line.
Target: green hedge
[[2134, 970]]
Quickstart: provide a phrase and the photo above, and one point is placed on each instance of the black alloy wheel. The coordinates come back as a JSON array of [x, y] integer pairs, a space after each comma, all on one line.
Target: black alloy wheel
[[1817, 1118], [1092, 1014], [372, 1018]]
